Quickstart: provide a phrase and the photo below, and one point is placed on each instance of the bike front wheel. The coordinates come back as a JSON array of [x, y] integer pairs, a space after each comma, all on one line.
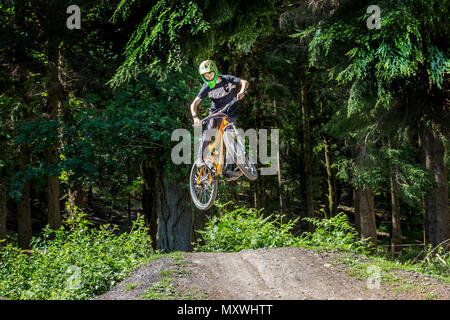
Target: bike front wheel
[[203, 187], [241, 158]]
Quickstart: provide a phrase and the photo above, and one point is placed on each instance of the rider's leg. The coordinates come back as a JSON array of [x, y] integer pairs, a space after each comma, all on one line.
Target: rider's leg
[[206, 139], [229, 167]]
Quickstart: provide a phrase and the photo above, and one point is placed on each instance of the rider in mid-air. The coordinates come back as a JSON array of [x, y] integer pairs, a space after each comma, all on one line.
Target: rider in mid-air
[[221, 89]]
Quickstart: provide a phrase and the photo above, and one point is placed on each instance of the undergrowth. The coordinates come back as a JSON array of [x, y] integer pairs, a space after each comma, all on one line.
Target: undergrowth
[[78, 261], [244, 228]]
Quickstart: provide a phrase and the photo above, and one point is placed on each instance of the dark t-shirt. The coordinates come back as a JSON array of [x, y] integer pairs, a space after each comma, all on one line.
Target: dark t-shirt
[[222, 93]]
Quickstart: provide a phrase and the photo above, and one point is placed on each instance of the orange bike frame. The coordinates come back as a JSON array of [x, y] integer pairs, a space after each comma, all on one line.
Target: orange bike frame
[[212, 157], [218, 141]]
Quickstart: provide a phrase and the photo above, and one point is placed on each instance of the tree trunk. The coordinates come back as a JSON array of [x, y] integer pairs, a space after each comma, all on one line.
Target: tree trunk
[[54, 212], [148, 174], [174, 216], [128, 192], [198, 223], [254, 189], [436, 201], [76, 196], [367, 215], [356, 206], [305, 101], [20, 74], [280, 184], [3, 199], [396, 238], [331, 180], [23, 207], [55, 93], [260, 193], [234, 196]]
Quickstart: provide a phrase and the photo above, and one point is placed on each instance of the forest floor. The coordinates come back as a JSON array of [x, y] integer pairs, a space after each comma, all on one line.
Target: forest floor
[[277, 273]]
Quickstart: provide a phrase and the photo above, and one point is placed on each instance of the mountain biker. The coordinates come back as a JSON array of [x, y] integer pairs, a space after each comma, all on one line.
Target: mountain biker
[[221, 89]]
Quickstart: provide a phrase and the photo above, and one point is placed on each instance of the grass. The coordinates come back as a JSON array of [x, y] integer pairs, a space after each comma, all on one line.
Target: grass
[[165, 273], [161, 290], [131, 286], [409, 286], [364, 270], [164, 290], [431, 296], [361, 268], [174, 255], [181, 263]]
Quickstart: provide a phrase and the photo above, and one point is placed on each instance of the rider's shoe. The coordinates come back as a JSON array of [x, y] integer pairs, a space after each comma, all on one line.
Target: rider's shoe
[[207, 163], [232, 175], [200, 163]]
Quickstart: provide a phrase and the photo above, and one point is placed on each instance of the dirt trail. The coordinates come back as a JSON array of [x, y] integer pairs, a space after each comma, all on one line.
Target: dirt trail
[[281, 273]]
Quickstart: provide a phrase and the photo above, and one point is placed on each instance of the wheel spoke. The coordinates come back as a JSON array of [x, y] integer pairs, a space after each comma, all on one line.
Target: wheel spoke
[[202, 188]]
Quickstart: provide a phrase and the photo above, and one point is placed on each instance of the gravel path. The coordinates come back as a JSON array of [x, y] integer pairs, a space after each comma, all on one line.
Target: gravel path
[[280, 273]]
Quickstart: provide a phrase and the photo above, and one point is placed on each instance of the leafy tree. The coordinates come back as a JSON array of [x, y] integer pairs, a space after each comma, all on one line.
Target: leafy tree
[[169, 36], [396, 75]]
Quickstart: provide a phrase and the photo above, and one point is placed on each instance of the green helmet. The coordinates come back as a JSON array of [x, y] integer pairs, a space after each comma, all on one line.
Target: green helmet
[[208, 66]]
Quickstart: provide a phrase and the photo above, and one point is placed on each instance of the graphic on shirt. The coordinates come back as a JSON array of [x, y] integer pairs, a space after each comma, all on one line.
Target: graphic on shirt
[[221, 91]]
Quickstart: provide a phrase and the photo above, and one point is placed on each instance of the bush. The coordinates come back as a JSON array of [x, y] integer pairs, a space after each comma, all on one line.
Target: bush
[[74, 262], [436, 262], [246, 229], [334, 233]]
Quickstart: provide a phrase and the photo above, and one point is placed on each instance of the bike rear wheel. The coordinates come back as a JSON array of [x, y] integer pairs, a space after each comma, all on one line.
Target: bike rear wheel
[[203, 187], [241, 158]]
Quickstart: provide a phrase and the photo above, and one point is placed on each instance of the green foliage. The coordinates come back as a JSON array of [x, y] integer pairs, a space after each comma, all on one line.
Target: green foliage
[[376, 164], [430, 262], [333, 233], [411, 35], [436, 261], [107, 133], [161, 290], [394, 75], [157, 41], [246, 229], [74, 262], [174, 33], [135, 121]]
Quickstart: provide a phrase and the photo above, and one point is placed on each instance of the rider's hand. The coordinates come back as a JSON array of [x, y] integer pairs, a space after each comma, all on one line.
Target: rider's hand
[[196, 121], [240, 95]]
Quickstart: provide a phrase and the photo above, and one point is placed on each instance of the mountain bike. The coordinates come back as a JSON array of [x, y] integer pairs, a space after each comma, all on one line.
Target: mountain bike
[[203, 179]]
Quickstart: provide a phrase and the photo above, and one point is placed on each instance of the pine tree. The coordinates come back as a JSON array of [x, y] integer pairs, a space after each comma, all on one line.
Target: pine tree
[[397, 75]]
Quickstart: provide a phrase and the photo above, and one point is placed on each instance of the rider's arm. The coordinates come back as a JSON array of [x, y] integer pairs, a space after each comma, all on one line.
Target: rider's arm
[[244, 86], [194, 106]]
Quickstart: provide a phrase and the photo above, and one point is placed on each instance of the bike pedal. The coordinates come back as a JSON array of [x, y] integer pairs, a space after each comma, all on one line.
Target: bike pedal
[[210, 164], [234, 178], [199, 163]]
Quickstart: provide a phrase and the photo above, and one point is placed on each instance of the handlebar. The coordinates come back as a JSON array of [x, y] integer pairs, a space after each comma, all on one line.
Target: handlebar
[[219, 112]]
